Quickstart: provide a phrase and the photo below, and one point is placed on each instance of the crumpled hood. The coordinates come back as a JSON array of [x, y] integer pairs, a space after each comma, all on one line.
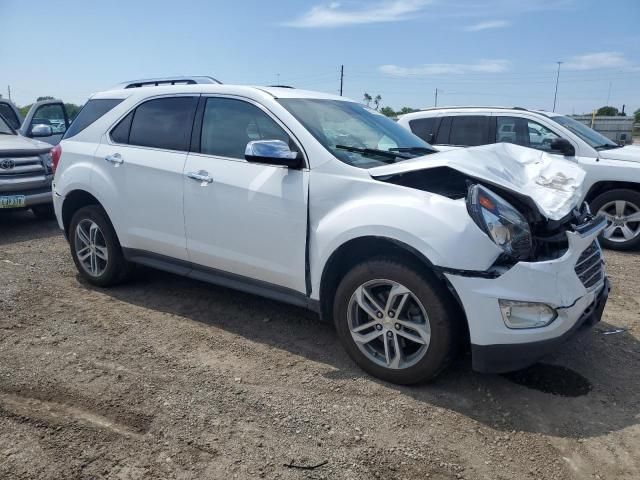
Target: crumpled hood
[[628, 153], [554, 185], [18, 142]]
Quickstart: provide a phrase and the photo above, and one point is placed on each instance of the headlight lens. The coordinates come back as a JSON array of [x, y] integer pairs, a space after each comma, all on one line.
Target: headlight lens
[[502, 222]]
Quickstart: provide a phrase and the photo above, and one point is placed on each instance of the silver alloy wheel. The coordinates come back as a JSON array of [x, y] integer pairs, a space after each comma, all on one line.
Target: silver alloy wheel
[[91, 247], [623, 221], [389, 324]]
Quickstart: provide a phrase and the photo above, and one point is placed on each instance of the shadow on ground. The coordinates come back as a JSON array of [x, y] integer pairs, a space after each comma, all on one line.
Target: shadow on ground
[[19, 226], [604, 370]]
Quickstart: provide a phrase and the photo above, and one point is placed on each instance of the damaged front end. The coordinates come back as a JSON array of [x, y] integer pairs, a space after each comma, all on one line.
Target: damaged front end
[[524, 200]]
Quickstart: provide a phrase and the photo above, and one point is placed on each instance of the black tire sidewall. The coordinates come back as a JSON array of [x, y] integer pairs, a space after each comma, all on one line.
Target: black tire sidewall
[[439, 310], [619, 194], [116, 263]]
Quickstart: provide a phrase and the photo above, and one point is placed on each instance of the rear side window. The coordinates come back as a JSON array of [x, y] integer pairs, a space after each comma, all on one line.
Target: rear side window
[[163, 123], [9, 115], [425, 128], [469, 131], [92, 111], [120, 134]]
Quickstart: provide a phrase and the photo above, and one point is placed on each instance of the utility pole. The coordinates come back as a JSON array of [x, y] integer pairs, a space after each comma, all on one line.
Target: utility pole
[[277, 79], [435, 103], [608, 95], [555, 95], [341, 78], [9, 91]]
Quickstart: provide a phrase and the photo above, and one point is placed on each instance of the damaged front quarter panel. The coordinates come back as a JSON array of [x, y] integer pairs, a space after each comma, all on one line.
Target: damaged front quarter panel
[[554, 185]]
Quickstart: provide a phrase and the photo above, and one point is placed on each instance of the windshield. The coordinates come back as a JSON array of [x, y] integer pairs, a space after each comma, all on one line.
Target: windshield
[[5, 129], [593, 138], [355, 134]]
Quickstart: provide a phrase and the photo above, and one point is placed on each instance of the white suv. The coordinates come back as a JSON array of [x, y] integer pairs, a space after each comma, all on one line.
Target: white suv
[[612, 183], [321, 202]]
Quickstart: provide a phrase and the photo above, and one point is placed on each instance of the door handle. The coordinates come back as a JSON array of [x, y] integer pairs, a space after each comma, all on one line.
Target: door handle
[[201, 176], [115, 159]]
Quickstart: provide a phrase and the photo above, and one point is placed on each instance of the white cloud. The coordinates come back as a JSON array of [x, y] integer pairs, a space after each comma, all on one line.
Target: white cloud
[[594, 61], [483, 66], [488, 25], [335, 14]]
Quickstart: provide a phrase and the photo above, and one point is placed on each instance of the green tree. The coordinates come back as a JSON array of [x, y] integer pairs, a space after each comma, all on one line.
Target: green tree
[[636, 114], [376, 101], [607, 112], [388, 112], [367, 99], [40, 99], [404, 110]]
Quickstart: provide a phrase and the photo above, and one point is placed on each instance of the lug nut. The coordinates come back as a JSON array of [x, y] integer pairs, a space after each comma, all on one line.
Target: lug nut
[[397, 326], [390, 334], [379, 315], [392, 313], [378, 327]]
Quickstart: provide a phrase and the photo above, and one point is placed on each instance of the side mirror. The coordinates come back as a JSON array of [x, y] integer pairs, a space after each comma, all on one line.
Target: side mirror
[[563, 146], [41, 130], [272, 152]]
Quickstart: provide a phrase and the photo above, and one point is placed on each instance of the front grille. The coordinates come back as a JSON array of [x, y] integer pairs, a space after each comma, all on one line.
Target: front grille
[[21, 166], [590, 266]]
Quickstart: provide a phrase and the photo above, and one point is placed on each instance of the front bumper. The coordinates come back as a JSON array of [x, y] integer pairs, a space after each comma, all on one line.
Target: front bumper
[[497, 348], [32, 197], [510, 357]]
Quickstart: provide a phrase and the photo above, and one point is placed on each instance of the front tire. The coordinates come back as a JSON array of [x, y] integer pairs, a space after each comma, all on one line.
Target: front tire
[[395, 321], [621, 208], [95, 248]]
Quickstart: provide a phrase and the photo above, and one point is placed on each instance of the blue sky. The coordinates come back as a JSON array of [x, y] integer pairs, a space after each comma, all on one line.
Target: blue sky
[[484, 52]]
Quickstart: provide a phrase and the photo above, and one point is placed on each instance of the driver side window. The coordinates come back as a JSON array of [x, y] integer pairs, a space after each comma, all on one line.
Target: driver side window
[[229, 124]]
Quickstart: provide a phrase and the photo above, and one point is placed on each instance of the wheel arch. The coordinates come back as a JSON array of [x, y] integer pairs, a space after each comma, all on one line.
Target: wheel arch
[[357, 250], [599, 188], [73, 201]]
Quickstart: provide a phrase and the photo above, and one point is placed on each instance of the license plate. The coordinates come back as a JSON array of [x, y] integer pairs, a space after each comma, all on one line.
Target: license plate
[[13, 201]]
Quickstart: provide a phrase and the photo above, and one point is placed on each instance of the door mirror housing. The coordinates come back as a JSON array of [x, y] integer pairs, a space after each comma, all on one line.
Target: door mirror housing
[[563, 146], [41, 130], [272, 152]]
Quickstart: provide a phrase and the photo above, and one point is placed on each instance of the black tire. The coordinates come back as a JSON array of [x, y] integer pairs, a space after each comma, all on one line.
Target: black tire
[[117, 269], [444, 319], [44, 212], [630, 196]]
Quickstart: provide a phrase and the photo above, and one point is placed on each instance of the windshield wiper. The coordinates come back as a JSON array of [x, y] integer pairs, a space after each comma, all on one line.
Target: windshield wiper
[[414, 149], [606, 146], [374, 152]]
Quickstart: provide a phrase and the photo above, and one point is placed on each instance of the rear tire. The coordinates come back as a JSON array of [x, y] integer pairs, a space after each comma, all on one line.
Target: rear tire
[[95, 248], [426, 298], [619, 206], [44, 212]]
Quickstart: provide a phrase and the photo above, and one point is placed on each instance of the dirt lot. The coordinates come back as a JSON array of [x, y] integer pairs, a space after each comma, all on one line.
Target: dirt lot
[[171, 378]]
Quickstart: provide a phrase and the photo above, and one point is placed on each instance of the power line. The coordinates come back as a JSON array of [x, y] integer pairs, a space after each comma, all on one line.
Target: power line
[[555, 96]]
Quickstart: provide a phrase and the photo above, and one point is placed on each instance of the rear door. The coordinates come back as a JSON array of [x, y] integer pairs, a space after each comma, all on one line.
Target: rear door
[[465, 130], [47, 112], [143, 158]]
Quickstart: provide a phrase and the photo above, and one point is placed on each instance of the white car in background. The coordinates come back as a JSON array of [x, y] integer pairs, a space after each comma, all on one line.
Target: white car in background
[[319, 201], [612, 183]]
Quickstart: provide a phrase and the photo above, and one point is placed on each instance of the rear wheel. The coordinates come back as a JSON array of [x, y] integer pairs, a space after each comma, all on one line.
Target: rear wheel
[[95, 248], [395, 321], [621, 208], [45, 212]]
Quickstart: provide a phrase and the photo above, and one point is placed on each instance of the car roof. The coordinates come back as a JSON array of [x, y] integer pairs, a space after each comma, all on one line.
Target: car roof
[[434, 111], [241, 90]]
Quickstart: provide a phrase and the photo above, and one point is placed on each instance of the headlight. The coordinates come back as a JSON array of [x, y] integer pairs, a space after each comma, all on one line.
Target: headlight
[[498, 219]]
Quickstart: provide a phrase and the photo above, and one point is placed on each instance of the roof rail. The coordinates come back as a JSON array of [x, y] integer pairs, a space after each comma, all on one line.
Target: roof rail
[[472, 106], [149, 82]]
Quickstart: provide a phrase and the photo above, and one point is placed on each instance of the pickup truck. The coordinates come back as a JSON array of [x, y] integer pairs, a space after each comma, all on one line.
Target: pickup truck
[[25, 162]]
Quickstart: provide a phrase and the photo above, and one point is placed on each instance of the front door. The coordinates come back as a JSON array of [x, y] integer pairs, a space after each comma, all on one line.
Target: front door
[[244, 218]]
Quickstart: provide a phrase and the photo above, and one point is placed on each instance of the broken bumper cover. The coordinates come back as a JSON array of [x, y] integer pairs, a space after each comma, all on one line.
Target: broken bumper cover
[[555, 283], [510, 357]]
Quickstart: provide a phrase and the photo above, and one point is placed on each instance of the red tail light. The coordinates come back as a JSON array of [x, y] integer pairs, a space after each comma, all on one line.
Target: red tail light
[[56, 153]]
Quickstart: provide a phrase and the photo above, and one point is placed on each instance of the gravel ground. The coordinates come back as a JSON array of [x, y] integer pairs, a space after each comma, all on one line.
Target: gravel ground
[[172, 378]]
